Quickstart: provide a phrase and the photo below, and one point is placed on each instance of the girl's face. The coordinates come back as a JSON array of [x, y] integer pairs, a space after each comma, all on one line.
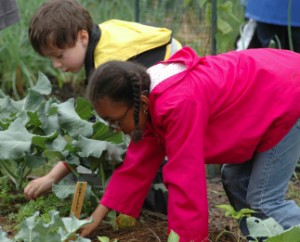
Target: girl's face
[[119, 116], [69, 59]]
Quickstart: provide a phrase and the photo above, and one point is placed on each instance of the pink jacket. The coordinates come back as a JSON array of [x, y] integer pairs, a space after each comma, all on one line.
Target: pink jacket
[[221, 109]]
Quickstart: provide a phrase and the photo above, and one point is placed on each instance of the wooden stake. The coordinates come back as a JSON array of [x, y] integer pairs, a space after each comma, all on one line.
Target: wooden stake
[[78, 198]]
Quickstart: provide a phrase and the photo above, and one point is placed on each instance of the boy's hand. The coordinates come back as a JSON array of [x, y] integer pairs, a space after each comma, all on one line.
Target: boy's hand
[[43, 184], [38, 187]]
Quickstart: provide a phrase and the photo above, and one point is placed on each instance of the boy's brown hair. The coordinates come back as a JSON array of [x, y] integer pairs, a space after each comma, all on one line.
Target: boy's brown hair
[[57, 23]]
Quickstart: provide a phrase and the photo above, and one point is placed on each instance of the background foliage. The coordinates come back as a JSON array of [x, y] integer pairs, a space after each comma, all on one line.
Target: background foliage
[[189, 20]]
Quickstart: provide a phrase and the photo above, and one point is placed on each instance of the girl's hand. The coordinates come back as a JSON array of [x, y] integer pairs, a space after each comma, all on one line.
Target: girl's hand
[[98, 215]]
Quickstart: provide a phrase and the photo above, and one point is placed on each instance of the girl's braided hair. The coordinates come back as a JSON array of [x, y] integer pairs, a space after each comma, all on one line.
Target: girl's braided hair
[[121, 81]]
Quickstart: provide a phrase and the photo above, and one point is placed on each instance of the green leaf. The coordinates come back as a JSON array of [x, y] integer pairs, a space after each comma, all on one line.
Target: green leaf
[[41, 141], [288, 235], [48, 117], [224, 26], [12, 169], [33, 100], [227, 10], [63, 191], [70, 121], [15, 141], [33, 119], [225, 7], [8, 107], [2, 94], [27, 226], [34, 161], [83, 108], [3, 236], [80, 239], [91, 147], [33, 229], [103, 238], [52, 156], [96, 148], [247, 212], [173, 237], [103, 132], [72, 224], [229, 210], [263, 228], [43, 85], [59, 143], [57, 230], [72, 159]]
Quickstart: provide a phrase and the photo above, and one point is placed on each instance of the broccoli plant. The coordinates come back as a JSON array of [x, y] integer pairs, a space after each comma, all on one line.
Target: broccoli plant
[[37, 129], [56, 230]]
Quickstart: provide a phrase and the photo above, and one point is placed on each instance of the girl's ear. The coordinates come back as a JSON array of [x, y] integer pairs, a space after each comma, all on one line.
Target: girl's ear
[[144, 103]]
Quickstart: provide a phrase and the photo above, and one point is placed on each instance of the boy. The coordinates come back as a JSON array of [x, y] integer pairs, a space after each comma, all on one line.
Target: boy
[[63, 31], [72, 28]]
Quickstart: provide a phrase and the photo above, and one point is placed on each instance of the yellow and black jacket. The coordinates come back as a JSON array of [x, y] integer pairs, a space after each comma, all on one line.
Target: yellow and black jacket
[[123, 40]]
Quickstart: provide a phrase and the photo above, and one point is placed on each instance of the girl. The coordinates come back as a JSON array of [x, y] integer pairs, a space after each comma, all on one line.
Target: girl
[[240, 108]]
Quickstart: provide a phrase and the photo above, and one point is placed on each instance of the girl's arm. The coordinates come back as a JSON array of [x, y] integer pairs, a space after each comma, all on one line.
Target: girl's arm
[[98, 215], [184, 123]]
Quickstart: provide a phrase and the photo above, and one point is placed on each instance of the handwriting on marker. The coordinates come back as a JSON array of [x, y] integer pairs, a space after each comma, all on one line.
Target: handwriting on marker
[[78, 198]]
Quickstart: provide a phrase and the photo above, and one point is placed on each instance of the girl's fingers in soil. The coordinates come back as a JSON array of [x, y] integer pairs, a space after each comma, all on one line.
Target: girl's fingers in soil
[[88, 229]]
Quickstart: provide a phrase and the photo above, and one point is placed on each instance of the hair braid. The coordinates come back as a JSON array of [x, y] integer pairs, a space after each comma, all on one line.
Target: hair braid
[[136, 91], [123, 82]]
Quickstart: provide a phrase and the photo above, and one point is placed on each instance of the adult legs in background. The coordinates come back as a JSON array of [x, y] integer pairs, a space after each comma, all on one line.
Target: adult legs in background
[[261, 184], [267, 32], [296, 39]]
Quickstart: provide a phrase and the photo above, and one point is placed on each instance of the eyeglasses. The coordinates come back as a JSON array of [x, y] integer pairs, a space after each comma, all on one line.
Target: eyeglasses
[[116, 124]]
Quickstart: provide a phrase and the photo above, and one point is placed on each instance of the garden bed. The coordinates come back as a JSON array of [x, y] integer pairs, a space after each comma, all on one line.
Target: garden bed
[[152, 226]]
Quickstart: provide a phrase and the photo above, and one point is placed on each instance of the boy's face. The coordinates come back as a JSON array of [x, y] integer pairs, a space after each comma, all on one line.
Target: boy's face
[[69, 59]]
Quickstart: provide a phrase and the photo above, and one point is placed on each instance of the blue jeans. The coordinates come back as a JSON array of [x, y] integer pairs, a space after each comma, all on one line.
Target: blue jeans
[[262, 182]]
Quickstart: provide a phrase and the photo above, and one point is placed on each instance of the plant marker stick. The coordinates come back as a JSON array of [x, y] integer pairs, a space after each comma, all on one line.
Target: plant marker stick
[[78, 198]]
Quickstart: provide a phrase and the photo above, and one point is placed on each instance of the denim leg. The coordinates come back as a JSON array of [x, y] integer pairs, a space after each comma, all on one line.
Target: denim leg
[[271, 173], [262, 182], [235, 180]]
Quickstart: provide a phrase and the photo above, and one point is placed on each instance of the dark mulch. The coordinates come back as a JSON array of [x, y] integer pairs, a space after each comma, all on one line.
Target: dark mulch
[[152, 227]]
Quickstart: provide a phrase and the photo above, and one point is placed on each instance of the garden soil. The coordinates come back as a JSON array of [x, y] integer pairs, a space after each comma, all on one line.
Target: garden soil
[[152, 226]]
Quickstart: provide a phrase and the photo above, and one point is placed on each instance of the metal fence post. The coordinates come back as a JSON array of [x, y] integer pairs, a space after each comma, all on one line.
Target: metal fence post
[[214, 27], [137, 10]]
